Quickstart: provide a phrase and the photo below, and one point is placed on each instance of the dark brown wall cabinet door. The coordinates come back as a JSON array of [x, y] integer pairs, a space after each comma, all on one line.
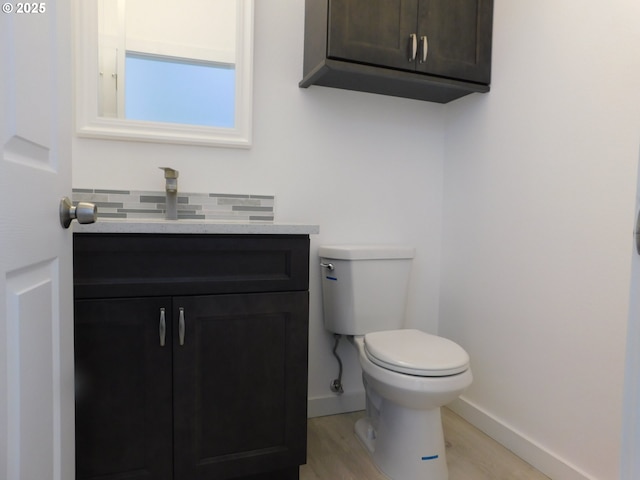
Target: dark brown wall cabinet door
[[454, 39], [375, 32]]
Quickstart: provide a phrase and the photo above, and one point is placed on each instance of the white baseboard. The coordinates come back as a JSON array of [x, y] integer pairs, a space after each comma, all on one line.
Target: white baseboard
[[335, 404], [536, 455]]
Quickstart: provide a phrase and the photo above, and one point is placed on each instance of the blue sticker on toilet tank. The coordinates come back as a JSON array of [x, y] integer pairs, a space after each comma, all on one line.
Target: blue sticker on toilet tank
[[432, 457], [332, 278]]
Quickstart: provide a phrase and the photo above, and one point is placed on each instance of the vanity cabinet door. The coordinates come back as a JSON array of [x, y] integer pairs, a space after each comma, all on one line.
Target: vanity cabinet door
[[240, 385], [123, 389]]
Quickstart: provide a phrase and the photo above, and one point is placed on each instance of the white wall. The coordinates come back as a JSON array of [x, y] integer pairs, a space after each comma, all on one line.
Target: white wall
[[540, 180], [366, 168]]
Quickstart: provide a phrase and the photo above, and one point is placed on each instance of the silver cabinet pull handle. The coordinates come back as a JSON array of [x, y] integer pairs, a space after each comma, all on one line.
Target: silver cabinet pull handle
[[181, 326], [413, 38], [425, 48], [162, 328]]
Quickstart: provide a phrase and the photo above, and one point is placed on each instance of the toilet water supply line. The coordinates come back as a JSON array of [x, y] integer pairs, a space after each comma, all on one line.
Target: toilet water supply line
[[336, 385]]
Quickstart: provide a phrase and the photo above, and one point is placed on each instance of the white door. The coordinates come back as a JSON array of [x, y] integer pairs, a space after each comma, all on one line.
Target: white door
[[630, 465], [36, 309]]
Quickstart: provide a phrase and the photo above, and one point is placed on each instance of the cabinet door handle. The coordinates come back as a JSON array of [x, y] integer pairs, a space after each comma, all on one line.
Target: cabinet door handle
[[162, 328], [181, 326], [413, 44], [425, 48]]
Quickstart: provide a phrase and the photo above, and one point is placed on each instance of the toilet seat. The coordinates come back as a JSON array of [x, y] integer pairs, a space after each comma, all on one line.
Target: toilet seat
[[416, 353]]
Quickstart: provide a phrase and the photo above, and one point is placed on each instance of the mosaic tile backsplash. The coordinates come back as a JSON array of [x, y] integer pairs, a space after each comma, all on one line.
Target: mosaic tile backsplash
[[198, 206]]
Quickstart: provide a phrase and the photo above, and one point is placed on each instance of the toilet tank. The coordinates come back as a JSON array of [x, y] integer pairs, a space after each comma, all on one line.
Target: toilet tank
[[364, 287]]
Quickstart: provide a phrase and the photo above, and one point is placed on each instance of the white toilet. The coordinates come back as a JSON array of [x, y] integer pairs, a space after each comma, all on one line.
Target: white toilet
[[408, 374]]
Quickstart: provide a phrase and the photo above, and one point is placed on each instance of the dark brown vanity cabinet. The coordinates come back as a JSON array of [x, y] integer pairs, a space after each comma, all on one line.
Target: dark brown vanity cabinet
[[191, 356], [435, 50]]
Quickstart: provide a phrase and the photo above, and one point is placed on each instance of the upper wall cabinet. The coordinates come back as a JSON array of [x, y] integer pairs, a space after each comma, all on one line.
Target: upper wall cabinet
[[434, 50]]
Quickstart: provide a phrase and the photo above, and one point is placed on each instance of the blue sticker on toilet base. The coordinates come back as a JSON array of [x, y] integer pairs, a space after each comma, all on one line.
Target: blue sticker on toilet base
[[432, 457]]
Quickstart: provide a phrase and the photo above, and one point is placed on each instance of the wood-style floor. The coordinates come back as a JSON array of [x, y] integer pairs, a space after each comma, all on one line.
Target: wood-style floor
[[334, 453]]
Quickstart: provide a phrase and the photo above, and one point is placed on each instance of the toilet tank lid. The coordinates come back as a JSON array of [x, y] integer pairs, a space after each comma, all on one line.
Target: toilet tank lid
[[365, 252]]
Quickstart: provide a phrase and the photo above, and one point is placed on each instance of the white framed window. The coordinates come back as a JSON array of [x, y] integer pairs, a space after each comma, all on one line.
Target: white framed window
[[124, 46]]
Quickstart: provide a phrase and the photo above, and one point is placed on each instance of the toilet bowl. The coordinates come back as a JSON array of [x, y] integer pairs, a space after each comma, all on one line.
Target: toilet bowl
[[403, 426], [407, 374], [427, 385]]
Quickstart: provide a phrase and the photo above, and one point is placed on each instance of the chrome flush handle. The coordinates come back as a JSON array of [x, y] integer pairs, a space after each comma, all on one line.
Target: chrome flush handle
[[638, 233], [327, 265]]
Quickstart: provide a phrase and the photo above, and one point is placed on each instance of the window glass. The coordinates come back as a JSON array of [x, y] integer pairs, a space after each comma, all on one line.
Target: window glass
[[156, 90]]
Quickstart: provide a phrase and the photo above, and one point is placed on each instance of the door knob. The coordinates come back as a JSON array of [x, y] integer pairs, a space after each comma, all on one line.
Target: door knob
[[83, 212]]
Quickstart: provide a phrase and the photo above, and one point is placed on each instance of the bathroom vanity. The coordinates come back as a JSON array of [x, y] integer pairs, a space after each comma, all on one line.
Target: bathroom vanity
[[191, 350]]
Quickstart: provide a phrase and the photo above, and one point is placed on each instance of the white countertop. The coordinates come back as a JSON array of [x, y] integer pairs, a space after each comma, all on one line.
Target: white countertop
[[193, 226]]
